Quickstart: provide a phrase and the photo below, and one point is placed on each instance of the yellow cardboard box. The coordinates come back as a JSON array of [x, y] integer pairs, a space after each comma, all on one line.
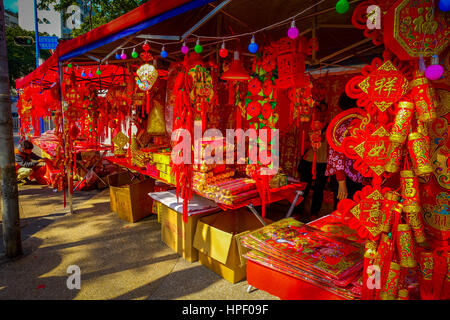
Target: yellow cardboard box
[[217, 240], [164, 168], [179, 235], [163, 158], [129, 199], [168, 177]]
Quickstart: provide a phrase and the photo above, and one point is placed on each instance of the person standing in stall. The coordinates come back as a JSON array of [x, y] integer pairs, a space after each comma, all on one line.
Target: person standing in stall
[[344, 179], [305, 169]]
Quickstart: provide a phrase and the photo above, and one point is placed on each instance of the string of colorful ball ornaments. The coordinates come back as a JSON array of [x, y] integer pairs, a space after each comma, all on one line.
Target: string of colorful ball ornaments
[[83, 73], [342, 6], [253, 47], [432, 72]]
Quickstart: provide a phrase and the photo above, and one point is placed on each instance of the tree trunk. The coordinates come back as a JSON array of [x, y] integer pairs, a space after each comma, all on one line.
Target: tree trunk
[[9, 204]]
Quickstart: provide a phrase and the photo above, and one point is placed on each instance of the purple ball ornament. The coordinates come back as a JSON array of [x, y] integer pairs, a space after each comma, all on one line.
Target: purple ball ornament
[[123, 56], [184, 48], [293, 31], [434, 71]]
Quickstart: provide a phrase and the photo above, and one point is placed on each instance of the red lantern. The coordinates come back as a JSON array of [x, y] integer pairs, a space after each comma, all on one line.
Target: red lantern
[[402, 123], [396, 153], [410, 191], [424, 99], [390, 289], [390, 202], [405, 246], [419, 150]]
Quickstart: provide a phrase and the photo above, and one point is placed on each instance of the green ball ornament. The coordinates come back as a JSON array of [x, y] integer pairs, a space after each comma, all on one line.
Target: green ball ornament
[[69, 65], [198, 48], [342, 6], [134, 54], [98, 72]]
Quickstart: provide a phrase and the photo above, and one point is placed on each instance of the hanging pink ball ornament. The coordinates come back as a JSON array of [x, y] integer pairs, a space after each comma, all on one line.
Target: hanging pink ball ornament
[[434, 71], [123, 56], [184, 48], [292, 31]]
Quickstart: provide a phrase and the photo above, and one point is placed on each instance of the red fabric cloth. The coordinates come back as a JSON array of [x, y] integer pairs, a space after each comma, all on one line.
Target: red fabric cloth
[[286, 192], [340, 175], [284, 286]]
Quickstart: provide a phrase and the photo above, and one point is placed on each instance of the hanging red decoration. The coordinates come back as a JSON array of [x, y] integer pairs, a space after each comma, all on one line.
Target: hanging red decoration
[[415, 28], [385, 86]]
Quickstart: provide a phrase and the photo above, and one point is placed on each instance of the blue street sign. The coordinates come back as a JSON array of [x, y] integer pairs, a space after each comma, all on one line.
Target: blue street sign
[[48, 42]]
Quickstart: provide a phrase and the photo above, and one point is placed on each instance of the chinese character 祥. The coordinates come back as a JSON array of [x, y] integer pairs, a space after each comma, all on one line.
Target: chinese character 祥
[[386, 85]]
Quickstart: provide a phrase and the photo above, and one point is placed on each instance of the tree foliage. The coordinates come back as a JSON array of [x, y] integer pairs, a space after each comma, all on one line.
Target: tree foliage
[[98, 12], [21, 59]]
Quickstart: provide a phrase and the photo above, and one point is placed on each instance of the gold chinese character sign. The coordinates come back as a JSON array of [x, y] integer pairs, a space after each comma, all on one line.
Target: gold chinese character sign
[[415, 28], [385, 86]]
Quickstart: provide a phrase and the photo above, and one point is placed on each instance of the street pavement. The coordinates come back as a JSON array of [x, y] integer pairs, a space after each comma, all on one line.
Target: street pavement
[[117, 259]]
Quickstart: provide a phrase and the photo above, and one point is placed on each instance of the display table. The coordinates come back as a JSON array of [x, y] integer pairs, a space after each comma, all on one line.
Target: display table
[[284, 286], [277, 276], [47, 144], [291, 192]]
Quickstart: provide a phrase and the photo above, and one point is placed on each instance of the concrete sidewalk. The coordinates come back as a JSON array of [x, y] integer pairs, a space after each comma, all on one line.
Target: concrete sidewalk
[[118, 260]]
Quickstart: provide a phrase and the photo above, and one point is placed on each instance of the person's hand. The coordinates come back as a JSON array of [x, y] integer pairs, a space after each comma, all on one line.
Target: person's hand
[[342, 190]]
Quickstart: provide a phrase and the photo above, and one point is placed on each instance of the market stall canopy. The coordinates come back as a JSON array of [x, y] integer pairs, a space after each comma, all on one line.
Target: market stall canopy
[[169, 23], [47, 72]]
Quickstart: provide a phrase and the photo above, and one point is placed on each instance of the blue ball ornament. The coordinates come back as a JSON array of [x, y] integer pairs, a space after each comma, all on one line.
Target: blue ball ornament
[[164, 54], [444, 5], [253, 47]]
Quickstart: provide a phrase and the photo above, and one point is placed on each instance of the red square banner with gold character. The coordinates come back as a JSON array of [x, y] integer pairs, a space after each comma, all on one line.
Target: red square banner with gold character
[[385, 86], [413, 28]]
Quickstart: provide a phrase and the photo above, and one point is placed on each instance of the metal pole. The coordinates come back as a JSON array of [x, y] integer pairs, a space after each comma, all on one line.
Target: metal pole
[[9, 205], [36, 32], [36, 42], [69, 191]]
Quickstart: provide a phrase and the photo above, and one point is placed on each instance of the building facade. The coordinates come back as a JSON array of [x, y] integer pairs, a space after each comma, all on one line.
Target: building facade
[[49, 20], [11, 19]]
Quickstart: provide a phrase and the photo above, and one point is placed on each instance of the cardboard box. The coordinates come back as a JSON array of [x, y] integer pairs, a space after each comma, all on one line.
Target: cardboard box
[[129, 199], [164, 168], [168, 177], [217, 240], [163, 158], [179, 235]]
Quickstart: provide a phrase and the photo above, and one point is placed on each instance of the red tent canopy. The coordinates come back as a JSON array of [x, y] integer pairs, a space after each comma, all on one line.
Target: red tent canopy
[[48, 70]]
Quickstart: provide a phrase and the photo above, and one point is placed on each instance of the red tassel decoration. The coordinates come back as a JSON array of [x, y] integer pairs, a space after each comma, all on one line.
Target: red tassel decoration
[[303, 142], [314, 164]]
